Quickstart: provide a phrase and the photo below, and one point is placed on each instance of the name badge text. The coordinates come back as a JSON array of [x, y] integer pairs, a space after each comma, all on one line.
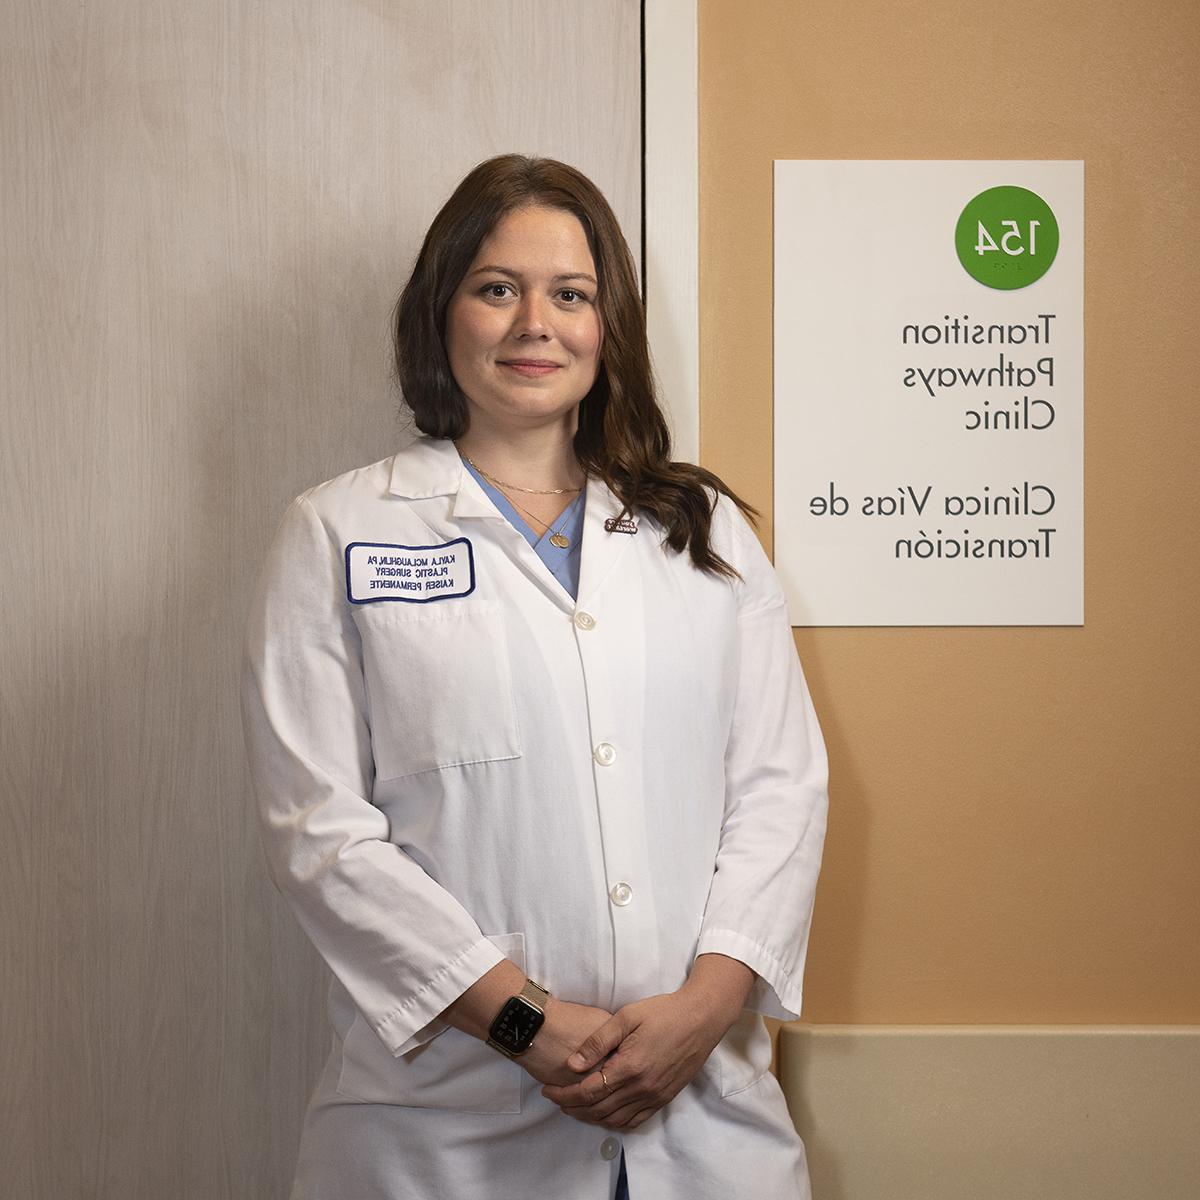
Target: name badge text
[[416, 574]]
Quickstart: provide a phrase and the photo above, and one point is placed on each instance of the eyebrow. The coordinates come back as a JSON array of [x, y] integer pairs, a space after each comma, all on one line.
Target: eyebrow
[[497, 270]]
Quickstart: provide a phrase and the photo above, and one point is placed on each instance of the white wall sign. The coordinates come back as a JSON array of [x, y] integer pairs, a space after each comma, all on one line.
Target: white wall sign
[[929, 392]]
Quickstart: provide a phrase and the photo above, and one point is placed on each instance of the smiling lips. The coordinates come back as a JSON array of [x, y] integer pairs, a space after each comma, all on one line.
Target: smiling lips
[[530, 366]]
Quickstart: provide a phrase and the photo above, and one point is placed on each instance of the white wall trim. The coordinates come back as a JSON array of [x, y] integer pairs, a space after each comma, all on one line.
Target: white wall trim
[[672, 225], [996, 1112]]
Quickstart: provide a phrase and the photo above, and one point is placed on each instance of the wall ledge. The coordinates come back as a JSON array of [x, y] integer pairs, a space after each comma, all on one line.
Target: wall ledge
[[996, 1112]]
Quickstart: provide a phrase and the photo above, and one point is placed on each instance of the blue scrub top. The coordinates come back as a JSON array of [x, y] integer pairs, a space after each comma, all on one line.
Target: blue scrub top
[[562, 562]]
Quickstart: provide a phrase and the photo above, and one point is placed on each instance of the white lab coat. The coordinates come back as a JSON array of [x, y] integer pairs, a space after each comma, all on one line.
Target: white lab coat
[[446, 782]]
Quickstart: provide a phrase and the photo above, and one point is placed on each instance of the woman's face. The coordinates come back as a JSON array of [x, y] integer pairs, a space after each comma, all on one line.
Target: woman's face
[[523, 329]]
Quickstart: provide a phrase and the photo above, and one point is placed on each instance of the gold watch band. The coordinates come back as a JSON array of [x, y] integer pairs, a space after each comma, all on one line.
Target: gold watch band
[[535, 994]]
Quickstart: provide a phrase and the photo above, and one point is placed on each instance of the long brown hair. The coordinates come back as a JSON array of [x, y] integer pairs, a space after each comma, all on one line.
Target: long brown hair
[[622, 436]]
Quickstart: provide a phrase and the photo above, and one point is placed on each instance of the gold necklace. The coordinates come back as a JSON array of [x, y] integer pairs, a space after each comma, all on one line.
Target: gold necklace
[[514, 487], [557, 537]]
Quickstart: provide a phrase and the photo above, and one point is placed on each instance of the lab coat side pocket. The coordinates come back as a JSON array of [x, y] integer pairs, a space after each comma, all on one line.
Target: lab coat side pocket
[[452, 1070], [741, 1058]]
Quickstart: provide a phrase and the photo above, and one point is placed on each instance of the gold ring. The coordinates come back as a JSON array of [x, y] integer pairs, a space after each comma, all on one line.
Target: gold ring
[[606, 1083]]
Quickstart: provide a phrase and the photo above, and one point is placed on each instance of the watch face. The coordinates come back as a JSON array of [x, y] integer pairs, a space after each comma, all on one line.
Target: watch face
[[515, 1026]]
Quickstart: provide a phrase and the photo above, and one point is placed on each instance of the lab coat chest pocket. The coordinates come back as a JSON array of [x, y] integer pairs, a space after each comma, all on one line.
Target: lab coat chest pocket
[[452, 1070], [439, 685]]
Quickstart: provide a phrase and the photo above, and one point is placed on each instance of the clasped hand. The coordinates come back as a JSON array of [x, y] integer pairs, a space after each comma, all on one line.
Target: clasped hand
[[649, 1051]]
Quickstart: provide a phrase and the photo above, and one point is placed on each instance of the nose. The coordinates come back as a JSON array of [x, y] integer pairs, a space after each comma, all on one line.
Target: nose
[[532, 318]]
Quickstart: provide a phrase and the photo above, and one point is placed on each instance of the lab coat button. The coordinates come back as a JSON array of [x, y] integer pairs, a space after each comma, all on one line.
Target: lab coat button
[[585, 620], [605, 754], [621, 894], [610, 1148]]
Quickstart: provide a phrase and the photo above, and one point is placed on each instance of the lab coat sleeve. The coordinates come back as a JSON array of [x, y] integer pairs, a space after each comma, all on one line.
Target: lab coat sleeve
[[401, 944], [760, 905]]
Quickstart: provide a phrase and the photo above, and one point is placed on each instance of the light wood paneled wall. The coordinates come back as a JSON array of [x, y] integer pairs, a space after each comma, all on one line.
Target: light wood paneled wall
[[207, 213]]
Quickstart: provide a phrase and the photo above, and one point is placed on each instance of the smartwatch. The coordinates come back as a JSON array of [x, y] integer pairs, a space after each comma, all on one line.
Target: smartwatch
[[512, 1032]]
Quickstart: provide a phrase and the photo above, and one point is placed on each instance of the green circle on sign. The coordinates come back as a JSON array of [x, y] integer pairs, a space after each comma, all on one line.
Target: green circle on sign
[[1007, 237]]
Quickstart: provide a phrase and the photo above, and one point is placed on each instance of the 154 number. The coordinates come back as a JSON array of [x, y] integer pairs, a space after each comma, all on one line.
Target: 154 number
[[1010, 242]]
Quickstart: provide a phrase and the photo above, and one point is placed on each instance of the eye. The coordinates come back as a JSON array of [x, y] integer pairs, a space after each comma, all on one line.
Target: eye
[[495, 291], [572, 296]]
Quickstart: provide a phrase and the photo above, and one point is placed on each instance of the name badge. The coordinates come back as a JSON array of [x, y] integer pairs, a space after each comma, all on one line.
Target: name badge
[[416, 574], [620, 525]]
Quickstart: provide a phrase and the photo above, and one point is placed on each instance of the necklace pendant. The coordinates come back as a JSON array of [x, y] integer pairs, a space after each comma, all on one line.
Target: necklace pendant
[[559, 540]]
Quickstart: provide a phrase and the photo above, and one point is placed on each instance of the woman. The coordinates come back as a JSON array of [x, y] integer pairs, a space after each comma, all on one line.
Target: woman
[[525, 717]]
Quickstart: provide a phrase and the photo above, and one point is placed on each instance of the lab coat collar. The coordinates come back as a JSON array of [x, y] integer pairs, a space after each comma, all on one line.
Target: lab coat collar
[[601, 545], [432, 467]]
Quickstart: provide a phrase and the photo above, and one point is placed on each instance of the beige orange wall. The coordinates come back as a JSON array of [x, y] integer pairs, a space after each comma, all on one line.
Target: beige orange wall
[[1015, 820]]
